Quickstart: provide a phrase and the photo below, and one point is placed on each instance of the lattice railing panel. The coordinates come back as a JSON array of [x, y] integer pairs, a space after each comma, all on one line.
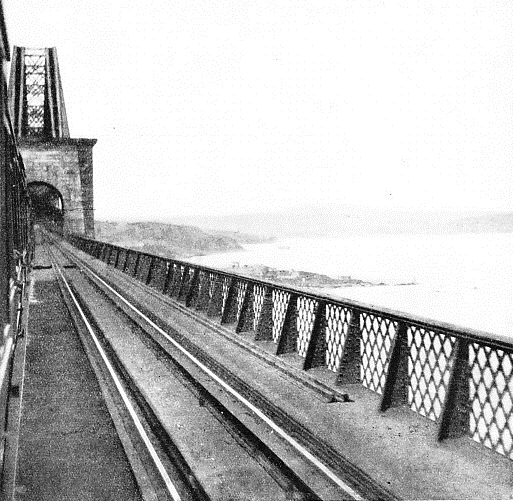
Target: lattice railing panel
[[377, 335], [242, 287], [280, 302], [203, 282], [211, 284], [306, 308], [226, 284], [338, 320], [428, 368], [258, 301], [491, 398]]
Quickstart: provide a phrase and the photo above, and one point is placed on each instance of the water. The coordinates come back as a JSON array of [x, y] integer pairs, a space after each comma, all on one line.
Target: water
[[464, 279]]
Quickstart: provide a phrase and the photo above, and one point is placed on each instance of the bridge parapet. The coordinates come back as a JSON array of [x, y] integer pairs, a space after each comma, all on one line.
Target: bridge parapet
[[459, 378]]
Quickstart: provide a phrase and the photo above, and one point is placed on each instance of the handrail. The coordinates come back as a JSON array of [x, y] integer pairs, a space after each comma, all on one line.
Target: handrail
[[458, 377]]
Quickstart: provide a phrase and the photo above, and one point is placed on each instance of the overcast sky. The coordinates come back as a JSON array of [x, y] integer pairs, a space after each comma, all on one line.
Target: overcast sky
[[218, 107]]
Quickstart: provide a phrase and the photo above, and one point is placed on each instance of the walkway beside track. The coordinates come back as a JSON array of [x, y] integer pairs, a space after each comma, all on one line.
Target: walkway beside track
[[68, 446]]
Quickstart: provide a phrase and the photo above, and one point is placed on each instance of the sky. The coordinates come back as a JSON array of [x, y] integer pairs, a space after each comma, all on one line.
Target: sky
[[221, 107]]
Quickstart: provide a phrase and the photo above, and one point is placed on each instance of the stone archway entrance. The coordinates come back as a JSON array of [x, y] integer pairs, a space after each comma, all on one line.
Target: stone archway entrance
[[47, 205]]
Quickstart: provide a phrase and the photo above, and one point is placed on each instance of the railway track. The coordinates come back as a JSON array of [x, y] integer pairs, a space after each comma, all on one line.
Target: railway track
[[188, 432]]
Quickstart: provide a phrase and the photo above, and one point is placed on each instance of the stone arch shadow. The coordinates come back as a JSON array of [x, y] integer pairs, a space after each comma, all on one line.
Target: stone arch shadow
[[47, 205]]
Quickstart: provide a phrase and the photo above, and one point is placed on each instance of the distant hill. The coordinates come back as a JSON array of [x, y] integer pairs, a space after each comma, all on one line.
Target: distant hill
[[168, 240], [339, 220]]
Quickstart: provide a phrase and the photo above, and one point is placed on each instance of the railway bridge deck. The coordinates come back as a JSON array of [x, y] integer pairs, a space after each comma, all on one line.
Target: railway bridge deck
[[314, 434]]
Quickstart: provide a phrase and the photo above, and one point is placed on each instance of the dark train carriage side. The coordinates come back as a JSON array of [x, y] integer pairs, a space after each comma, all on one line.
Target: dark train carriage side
[[15, 254]]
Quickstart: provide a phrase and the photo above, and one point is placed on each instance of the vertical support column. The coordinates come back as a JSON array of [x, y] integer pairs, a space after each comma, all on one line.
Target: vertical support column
[[108, 254], [157, 273], [169, 277], [203, 294], [246, 316], [136, 265], [150, 270], [192, 290], [4, 221], [17, 89], [184, 280], [116, 260], [264, 329], [127, 260], [349, 368], [287, 338], [230, 307], [215, 305], [395, 390], [316, 350], [454, 420], [178, 272]]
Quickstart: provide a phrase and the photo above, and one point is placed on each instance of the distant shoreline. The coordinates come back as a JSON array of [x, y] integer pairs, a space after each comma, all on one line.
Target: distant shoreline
[[299, 278]]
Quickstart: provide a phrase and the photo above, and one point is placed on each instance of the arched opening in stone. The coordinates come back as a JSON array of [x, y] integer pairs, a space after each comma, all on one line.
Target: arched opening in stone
[[47, 205]]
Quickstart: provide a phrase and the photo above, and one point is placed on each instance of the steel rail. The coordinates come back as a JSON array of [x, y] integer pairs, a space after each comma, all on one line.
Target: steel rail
[[144, 436], [255, 410]]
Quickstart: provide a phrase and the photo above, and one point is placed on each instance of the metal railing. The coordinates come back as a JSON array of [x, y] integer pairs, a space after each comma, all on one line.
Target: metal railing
[[459, 378]]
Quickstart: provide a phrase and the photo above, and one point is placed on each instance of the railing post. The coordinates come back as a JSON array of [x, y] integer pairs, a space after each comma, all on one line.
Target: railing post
[[317, 346], [150, 270], [126, 254], [203, 294], [246, 315], [230, 306], [178, 272], [137, 259], [395, 390], [108, 254], [215, 304], [192, 290], [156, 275], [454, 419], [185, 278], [349, 369], [169, 277], [264, 329], [117, 257], [287, 338]]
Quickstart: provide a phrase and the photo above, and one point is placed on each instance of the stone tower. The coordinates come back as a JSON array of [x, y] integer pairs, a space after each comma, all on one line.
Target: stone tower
[[59, 168]]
